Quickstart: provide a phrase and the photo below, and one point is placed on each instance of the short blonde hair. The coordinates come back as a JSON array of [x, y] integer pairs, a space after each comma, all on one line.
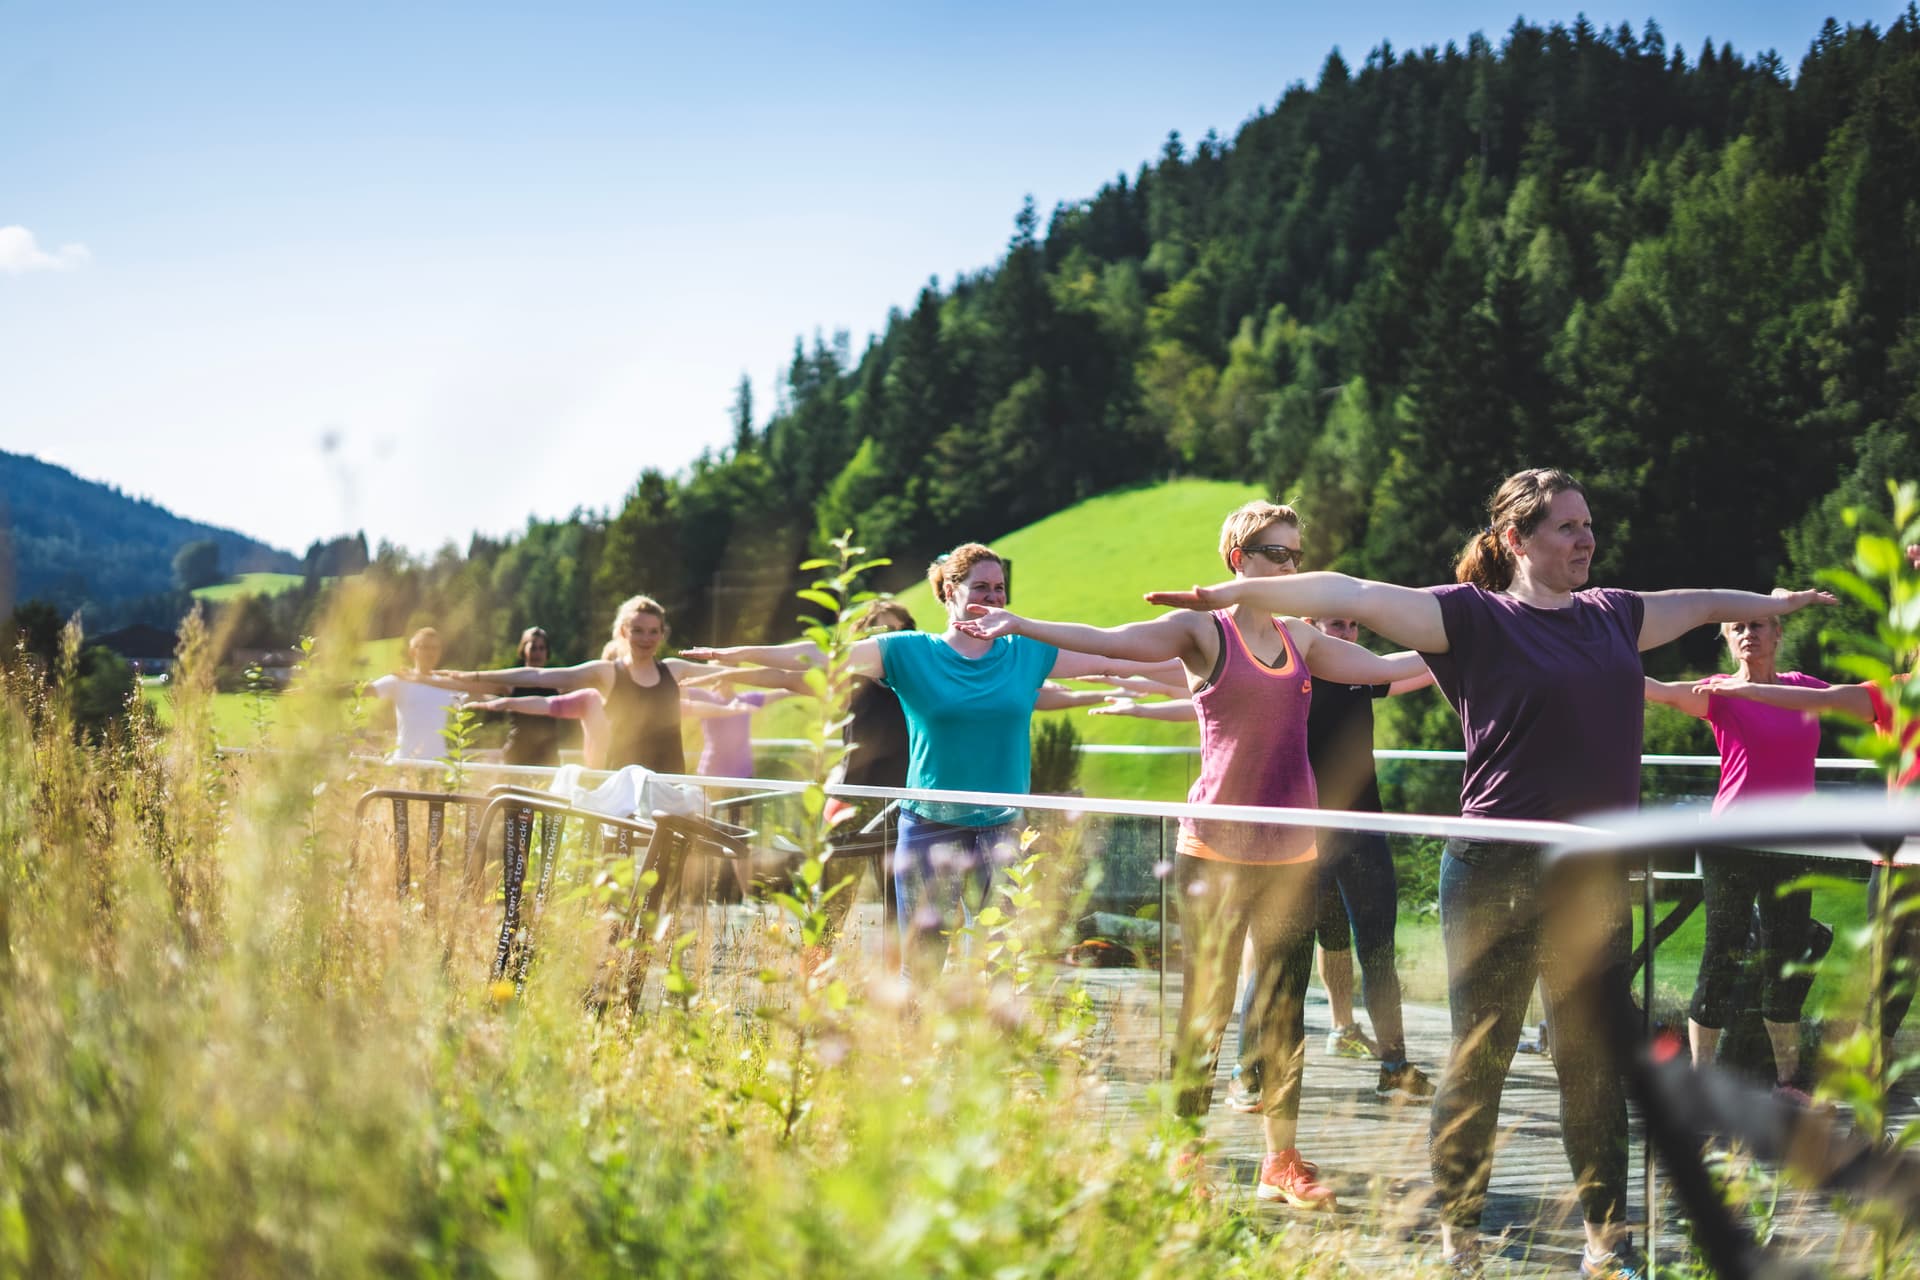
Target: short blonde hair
[[420, 637], [629, 608], [1249, 520]]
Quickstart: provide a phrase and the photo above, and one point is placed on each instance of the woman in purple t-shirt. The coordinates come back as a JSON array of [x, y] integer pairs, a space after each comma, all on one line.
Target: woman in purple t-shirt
[[1763, 751], [1546, 678]]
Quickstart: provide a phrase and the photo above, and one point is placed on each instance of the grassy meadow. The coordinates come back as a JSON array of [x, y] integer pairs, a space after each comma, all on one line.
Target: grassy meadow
[[249, 584]]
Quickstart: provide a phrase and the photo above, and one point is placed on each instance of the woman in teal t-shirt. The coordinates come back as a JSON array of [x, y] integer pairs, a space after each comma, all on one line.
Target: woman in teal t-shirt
[[969, 708]]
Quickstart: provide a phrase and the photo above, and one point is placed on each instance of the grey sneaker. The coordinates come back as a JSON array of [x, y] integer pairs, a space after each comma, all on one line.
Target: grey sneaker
[[1350, 1042], [1466, 1262], [1624, 1263]]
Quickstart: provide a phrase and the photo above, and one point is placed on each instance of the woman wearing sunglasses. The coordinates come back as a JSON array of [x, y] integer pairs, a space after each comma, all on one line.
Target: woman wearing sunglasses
[[1251, 676], [1546, 678]]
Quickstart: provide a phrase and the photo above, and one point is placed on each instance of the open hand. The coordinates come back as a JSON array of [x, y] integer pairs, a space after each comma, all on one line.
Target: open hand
[[1116, 705], [1801, 599], [985, 623], [1196, 598]]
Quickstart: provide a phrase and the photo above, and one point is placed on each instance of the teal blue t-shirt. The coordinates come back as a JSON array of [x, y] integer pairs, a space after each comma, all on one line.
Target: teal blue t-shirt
[[968, 719]]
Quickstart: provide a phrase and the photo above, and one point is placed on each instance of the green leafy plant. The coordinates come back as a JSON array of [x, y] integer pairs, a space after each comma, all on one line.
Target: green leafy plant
[[1884, 581]]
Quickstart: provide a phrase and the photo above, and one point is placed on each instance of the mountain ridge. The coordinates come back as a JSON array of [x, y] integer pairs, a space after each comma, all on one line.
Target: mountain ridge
[[76, 542]]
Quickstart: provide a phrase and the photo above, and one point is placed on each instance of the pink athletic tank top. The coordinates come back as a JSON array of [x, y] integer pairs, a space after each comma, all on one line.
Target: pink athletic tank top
[[1253, 750]]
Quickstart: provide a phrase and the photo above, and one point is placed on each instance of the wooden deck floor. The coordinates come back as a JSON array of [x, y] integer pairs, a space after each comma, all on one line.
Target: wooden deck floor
[[1373, 1151]]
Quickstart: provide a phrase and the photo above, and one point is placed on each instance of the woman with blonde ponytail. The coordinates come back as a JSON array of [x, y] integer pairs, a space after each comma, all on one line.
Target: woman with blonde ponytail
[[1545, 674]]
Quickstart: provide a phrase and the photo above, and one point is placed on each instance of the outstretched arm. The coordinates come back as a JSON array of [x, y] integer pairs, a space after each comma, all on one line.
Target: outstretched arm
[[1349, 663], [1089, 651], [1683, 695], [1174, 709], [526, 704], [442, 680], [863, 656], [1403, 615], [1134, 686], [597, 674], [1410, 684], [757, 677], [1851, 700], [1671, 614], [796, 655], [687, 668], [1057, 697]]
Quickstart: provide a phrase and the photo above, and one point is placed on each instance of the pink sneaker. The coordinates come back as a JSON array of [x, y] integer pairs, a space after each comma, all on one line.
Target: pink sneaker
[[1285, 1176], [1190, 1172]]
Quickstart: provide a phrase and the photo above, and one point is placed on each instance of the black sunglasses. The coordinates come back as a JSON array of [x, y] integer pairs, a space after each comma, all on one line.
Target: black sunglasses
[[1276, 554]]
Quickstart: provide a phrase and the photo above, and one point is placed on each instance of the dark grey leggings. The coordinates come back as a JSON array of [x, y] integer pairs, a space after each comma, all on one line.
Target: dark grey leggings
[[1221, 906], [1500, 934], [1736, 883]]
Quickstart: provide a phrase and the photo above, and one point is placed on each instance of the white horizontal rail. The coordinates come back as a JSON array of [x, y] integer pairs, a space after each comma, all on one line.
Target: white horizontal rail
[[1869, 810], [1841, 763]]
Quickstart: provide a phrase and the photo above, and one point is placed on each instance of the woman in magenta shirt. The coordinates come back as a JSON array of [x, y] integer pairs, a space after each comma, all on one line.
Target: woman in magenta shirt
[[1764, 750]]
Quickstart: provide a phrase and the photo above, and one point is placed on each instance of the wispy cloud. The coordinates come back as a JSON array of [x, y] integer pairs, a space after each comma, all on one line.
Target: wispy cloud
[[21, 253]]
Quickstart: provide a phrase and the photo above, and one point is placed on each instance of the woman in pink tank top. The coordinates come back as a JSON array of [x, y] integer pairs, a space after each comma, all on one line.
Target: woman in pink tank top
[[1763, 751], [1251, 674]]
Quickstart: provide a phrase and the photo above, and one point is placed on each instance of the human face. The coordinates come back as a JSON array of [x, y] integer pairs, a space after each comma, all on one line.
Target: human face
[[985, 584], [645, 634], [1558, 554], [1753, 641], [1339, 628], [426, 655], [1254, 565], [537, 651]]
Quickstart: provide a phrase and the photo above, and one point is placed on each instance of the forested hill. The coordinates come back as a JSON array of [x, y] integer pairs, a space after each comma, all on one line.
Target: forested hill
[[1688, 275], [71, 542]]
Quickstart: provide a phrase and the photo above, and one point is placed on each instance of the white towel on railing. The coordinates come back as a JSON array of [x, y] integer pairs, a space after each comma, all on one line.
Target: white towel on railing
[[633, 790]]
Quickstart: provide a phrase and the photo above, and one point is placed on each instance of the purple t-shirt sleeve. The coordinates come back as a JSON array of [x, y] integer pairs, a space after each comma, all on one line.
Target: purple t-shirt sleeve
[[1550, 701]]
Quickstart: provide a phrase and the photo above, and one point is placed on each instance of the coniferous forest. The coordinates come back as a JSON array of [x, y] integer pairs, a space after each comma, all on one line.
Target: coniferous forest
[[1688, 276]]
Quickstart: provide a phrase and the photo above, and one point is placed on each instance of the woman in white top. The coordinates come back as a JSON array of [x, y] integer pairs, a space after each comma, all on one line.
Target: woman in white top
[[420, 709]]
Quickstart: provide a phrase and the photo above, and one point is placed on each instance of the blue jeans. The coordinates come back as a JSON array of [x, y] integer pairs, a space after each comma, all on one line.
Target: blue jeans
[[941, 874], [1500, 934]]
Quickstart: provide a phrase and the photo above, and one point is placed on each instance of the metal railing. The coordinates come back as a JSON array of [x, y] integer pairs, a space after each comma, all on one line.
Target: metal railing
[[1680, 1111]]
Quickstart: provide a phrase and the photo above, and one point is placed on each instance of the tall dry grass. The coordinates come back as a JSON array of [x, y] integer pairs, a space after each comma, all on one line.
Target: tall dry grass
[[228, 1047]]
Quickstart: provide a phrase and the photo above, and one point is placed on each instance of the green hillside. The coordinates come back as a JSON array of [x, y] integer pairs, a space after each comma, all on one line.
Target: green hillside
[[250, 584], [1091, 563]]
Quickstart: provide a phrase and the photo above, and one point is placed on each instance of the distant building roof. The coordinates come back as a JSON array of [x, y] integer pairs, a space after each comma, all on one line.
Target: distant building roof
[[140, 641]]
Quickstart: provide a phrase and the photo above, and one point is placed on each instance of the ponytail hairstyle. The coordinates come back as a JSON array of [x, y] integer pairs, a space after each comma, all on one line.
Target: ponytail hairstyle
[[948, 574], [1519, 504]]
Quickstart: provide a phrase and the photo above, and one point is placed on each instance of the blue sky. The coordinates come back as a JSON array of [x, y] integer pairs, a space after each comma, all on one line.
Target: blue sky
[[430, 269]]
